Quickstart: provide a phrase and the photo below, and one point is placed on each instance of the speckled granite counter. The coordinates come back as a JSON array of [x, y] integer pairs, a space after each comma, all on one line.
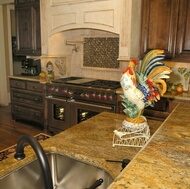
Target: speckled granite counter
[[163, 163], [165, 160], [28, 78], [89, 141]]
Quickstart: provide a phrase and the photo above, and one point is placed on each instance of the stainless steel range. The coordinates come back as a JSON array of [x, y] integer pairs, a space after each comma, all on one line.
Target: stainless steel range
[[75, 99]]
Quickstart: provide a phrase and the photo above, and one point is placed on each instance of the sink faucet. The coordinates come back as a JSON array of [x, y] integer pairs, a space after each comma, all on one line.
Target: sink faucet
[[40, 154]]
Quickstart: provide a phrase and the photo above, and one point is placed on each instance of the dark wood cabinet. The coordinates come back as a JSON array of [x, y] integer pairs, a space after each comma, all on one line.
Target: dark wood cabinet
[[166, 25], [27, 101], [183, 31], [28, 27]]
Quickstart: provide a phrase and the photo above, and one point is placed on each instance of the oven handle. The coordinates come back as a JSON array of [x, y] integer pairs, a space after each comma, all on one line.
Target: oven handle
[[94, 105], [55, 98]]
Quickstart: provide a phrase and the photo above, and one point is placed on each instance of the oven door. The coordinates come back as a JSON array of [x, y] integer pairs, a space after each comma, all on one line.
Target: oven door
[[58, 114], [81, 111]]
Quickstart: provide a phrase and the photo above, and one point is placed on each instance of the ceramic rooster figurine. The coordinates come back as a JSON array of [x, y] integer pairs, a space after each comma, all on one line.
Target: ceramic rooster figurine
[[144, 87]]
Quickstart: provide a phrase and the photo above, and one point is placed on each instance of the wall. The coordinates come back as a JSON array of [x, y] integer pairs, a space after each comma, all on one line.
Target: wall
[[6, 50], [4, 100]]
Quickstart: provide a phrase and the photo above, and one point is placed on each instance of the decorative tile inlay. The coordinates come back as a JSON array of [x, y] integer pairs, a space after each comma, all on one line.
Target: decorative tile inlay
[[61, 64], [101, 52]]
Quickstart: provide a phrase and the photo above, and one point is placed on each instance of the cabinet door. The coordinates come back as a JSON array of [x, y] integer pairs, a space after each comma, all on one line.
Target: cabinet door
[[159, 26], [183, 32], [28, 29], [24, 29]]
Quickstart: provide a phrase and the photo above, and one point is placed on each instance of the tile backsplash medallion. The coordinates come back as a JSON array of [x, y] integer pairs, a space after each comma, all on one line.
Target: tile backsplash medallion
[[101, 52], [60, 66]]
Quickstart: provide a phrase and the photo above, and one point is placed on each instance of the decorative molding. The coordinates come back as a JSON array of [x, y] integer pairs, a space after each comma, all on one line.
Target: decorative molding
[[95, 17], [60, 20], [62, 2], [125, 33]]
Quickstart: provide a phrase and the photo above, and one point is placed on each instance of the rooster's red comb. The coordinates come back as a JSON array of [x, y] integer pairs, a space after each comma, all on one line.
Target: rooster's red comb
[[134, 61]]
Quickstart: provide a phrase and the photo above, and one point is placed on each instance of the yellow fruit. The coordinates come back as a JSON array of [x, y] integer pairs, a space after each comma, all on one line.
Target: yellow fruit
[[179, 89]]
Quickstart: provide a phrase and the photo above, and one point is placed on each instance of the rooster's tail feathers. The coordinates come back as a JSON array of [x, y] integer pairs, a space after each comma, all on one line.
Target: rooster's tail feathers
[[149, 57], [159, 70], [150, 67]]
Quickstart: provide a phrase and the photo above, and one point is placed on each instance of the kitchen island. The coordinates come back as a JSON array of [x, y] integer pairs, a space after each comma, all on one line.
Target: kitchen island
[[162, 163], [165, 161], [90, 141]]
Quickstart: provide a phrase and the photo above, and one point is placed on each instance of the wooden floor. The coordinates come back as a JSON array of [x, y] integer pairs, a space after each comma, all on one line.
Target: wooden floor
[[11, 131]]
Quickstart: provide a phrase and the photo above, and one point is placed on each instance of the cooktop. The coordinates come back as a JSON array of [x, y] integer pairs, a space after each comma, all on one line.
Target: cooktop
[[89, 82]]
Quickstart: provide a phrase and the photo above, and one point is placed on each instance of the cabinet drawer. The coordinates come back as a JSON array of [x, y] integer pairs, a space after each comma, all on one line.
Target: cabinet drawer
[[34, 86], [27, 113], [17, 83], [26, 98]]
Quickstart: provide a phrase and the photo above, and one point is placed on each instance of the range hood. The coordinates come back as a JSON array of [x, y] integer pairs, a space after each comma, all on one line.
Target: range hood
[[120, 17]]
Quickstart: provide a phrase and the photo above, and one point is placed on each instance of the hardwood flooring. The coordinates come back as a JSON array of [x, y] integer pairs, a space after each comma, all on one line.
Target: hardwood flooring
[[11, 131]]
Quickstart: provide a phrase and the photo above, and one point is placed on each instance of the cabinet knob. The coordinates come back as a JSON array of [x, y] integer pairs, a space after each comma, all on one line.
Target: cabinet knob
[[18, 95], [36, 99]]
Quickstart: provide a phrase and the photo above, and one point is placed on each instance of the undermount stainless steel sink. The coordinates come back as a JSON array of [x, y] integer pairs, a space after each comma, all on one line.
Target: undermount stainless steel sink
[[67, 173]]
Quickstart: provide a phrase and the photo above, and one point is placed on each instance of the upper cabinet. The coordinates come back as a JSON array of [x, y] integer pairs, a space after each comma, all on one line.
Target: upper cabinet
[[28, 27], [166, 25], [183, 31]]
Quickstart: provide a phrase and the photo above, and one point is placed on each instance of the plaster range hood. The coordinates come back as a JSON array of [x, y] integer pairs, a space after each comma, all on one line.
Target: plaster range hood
[[120, 17]]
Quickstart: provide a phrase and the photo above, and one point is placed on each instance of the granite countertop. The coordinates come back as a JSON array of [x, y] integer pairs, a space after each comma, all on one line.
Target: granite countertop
[[28, 78], [164, 162], [89, 141]]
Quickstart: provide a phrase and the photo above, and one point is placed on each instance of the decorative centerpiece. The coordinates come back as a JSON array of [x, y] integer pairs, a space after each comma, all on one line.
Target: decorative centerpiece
[[141, 88], [50, 72]]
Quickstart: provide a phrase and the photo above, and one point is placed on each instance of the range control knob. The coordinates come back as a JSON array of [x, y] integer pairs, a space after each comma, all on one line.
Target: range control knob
[[98, 96], [92, 95], [56, 90], [69, 92], [85, 95], [51, 89], [64, 91], [109, 97]]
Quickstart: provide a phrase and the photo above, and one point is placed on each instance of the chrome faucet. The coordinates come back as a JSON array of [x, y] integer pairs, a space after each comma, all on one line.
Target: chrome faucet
[[40, 154]]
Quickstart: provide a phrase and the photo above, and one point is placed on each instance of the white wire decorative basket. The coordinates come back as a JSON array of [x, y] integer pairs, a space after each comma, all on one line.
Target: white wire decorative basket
[[131, 134]]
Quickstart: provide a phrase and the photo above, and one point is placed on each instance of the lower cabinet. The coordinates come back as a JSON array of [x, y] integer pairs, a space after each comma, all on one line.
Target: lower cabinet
[[20, 111], [27, 101]]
